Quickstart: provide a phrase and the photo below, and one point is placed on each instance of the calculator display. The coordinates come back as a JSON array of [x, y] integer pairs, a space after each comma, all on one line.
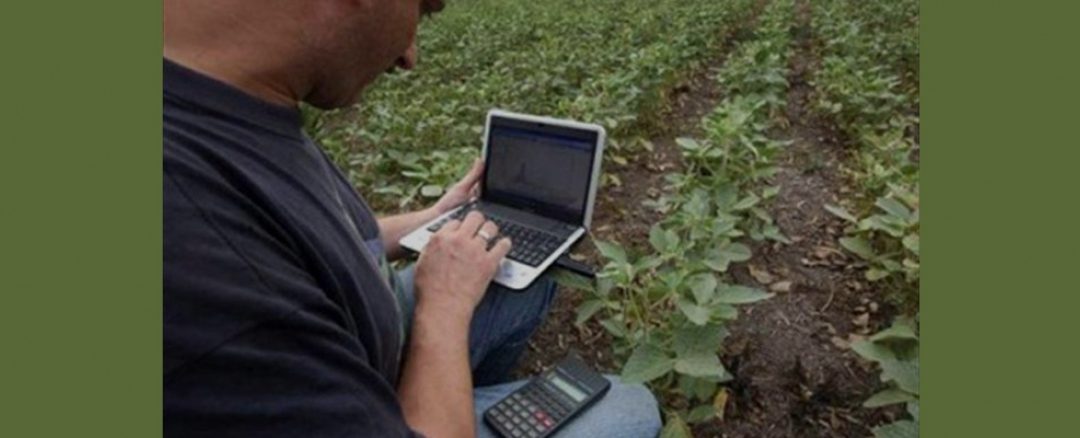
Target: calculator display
[[566, 387]]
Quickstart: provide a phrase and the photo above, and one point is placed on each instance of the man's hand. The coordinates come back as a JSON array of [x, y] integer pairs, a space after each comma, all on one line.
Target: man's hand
[[455, 268], [393, 228], [451, 276], [462, 191]]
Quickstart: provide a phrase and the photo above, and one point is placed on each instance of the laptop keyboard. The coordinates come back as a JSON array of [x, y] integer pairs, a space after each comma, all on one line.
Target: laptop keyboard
[[530, 246]]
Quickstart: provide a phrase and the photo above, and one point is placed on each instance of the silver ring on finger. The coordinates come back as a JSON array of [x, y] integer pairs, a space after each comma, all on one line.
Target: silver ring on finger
[[484, 235]]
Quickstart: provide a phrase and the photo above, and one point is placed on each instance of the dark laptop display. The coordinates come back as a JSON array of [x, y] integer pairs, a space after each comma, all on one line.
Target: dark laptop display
[[539, 168]]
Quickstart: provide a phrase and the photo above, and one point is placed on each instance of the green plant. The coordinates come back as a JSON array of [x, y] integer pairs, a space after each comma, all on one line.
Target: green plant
[[885, 158], [603, 61], [887, 238], [867, 86], [667, 306], [896, 351], [867, 80]]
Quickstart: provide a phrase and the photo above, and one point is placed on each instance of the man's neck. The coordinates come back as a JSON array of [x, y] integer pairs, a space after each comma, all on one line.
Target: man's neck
[[218, 41], [264, 88]]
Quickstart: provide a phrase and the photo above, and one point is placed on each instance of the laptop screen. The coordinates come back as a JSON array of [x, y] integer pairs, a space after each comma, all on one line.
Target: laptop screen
[[539, 168]]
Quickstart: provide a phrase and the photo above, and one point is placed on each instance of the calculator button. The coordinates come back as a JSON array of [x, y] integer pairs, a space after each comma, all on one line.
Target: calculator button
[[515, 433]]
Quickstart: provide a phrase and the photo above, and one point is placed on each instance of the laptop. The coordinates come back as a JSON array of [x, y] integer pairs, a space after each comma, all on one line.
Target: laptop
[[539, 187]]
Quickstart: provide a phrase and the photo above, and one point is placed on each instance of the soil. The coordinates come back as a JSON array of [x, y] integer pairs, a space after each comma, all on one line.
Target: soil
[[794, 375]]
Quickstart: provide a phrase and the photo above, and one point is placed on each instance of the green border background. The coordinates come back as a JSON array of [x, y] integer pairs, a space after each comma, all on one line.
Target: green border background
[[80, 204], [999, 161]]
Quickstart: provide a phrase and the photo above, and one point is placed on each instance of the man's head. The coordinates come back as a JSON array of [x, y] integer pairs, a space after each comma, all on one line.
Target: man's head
[[323, 52]]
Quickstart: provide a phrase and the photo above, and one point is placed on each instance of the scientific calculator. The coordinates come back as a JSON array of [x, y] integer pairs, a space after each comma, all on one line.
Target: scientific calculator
[[548, 401]]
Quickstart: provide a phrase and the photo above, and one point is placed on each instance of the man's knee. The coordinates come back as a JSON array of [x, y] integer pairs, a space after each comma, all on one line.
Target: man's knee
[[637, 405], [627, 410]]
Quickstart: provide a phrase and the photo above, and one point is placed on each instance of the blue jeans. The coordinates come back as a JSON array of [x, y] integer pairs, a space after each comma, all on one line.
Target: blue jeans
[[501, 327]]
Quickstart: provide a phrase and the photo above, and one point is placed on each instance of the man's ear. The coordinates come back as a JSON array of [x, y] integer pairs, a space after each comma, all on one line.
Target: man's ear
[[407, 61]]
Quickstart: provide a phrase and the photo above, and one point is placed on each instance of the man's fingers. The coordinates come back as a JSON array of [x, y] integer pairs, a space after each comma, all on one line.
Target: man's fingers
[[490, 230], [450, 226], [472, 223], [500, 250], [473, 176]]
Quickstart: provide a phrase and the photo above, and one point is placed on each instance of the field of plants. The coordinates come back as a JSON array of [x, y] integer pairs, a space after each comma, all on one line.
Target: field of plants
[[757, 232]]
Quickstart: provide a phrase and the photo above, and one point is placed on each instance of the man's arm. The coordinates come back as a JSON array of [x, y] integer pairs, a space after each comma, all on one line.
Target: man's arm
[[393, 228], [451, 277]]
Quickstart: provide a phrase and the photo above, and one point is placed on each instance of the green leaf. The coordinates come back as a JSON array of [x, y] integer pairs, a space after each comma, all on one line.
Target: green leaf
[[887, 397], [648, 262], [841, 213], [695, 313], [587, 309], [898, 331], [899, 429], [431, 191], [725, 311], [904, 372], [762, 214], [858, 246], [881, 223], [663, 240], [718, 259], [701, 414], [911, 242], [874, 274], [611, 250], [571, 280], [735, 294], [703, 287], [746, 203], [705, 365], [913, 410], [617, 329], [772, 232], [697, 388], [894, 207], [604, 286], [691, 340], [890, 264], [717, 262], [770, 191], [723, 226], [873, 351], [736, 252], [675, 428], [646, 363], [688, 143]]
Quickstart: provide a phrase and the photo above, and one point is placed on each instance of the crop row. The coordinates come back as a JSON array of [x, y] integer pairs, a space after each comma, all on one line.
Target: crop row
[[603, 61], [860, 88], [667, 308], [867, 85]]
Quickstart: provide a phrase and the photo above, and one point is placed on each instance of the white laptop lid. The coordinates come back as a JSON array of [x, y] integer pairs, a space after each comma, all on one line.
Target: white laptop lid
[[546, 166]]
